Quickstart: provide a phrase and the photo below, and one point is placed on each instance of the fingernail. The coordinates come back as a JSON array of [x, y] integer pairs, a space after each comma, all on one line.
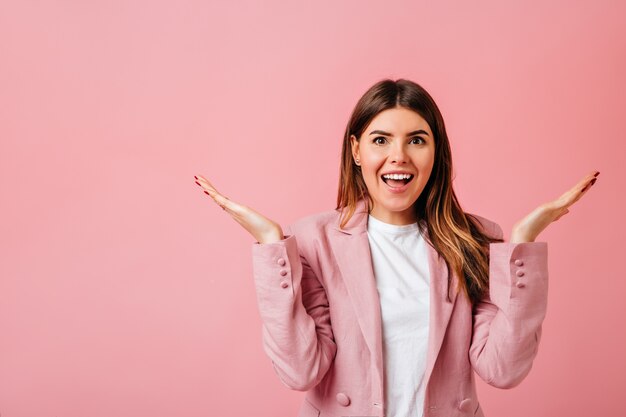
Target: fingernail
[[198, 183], [596, 174], [207, 193], [593, 181], [195, 177]]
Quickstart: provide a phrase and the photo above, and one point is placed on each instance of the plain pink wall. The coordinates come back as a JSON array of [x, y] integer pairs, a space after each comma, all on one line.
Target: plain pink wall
[[125, 291]]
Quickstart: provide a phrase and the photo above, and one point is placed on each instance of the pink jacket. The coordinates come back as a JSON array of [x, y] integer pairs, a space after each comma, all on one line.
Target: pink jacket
[[321, 317]]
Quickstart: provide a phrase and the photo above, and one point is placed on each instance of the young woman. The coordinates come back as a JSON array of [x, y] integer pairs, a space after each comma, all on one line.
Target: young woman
[[388, 304]]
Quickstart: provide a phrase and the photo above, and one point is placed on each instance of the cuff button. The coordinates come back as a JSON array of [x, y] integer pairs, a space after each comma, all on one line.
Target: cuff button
[[465, 405], [343, 399]]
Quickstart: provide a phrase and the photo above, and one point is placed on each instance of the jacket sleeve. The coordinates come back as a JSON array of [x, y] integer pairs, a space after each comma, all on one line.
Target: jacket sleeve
[[293, 305], [507, 322]]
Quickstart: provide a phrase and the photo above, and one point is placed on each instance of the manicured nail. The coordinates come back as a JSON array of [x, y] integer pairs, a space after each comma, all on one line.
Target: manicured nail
[[596, 174], [195, 177], [207, 193], [198, 183], [593, 181]]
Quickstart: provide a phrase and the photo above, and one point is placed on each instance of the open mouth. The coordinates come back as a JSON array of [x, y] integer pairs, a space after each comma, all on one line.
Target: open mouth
[[397, 183]]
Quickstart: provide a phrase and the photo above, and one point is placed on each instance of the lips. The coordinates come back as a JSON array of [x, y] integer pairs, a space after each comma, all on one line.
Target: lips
[[397, 186]]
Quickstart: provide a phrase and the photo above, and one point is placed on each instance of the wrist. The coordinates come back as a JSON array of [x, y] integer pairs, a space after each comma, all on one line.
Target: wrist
[[272, 237], [519, 236]]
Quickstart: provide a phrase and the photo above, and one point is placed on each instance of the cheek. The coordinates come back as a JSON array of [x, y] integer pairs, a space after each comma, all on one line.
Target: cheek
[[372, 162], [426, 161], [371, 170], [369, 175]]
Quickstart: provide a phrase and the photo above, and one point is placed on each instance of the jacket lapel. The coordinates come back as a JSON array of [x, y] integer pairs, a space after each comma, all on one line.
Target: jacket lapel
[[350, 246], [440, 307]]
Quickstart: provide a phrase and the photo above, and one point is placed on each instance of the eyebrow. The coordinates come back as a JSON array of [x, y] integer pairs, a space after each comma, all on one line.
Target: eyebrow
[[382, 132]]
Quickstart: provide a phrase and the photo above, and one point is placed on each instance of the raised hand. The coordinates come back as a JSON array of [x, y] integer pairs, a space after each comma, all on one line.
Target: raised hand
[[528, 228], [260, 227]]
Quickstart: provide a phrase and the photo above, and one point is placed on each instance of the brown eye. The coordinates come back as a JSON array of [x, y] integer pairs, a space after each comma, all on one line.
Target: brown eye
[[379, 137], [423, 141]]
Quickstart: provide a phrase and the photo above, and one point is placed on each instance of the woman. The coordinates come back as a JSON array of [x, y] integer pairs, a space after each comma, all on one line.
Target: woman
[[388, 304]]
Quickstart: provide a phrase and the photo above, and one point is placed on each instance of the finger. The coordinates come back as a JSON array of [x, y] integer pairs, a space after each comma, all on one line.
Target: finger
[[224, 202], [581, 184], [221, 201], [586, 180], [587, 187], [575, 193], [211, 191], [572, 196], [204, 183], [236, 210], [580, 193], [561, 215]]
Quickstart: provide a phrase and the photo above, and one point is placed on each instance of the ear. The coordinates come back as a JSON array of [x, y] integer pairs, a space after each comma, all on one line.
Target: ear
[[355, 147]]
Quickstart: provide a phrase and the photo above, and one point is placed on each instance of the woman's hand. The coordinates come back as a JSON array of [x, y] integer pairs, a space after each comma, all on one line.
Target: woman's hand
[[263, 229], [527, 229]]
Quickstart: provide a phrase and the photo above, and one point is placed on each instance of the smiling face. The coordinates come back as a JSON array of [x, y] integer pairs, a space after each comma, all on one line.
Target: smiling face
[[397, 140]]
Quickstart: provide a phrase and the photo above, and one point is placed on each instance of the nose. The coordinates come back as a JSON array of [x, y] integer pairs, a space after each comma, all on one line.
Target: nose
[[398, 153]]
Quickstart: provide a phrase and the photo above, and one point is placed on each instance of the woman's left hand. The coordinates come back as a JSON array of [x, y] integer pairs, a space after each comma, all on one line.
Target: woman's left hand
[[527, 229]]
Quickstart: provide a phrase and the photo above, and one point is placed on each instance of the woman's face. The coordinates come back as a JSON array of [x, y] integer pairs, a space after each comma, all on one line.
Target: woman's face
[[397, 140]]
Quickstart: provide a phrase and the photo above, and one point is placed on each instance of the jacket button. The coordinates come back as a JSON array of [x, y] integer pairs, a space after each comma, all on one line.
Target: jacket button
[[281, 262], [519, 262], [283, 272], [465, 405], [343, 399], [520, 273], [284, 284], [520, 284]]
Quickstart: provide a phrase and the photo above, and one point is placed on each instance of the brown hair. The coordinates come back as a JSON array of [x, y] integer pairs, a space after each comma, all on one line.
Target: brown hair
[[455, 235]]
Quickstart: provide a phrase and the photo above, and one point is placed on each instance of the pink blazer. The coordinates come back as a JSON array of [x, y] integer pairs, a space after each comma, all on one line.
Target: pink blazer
[[321, 319]]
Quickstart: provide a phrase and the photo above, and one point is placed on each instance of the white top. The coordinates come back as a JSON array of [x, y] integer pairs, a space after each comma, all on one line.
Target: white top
[[400, 262]]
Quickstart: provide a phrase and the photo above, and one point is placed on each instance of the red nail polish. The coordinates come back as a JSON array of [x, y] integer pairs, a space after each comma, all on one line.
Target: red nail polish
[[207, 193], [596, 174], [198, 183], [195, 177], [593, 181]]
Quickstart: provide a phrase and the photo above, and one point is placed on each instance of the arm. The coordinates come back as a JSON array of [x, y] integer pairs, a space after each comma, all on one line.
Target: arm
[[297, 334], [507, 322]]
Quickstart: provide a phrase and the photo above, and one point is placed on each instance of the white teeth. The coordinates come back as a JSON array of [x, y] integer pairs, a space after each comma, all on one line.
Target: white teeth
[[397, 176]]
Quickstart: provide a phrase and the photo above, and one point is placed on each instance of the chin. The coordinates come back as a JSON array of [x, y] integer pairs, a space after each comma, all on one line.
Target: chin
[[399, 205]]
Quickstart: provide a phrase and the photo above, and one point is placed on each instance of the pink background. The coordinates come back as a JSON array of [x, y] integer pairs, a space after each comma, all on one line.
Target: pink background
[[125, 291]]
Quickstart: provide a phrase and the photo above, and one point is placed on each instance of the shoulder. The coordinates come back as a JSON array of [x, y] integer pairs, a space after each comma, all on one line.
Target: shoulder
[[488, 226], [311, 234]]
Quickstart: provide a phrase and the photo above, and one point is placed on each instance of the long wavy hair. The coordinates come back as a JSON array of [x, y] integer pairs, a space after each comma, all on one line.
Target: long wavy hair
[[456, 236]]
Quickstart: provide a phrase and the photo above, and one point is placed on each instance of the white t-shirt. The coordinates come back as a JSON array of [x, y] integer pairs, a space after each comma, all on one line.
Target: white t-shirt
[[400, 261]]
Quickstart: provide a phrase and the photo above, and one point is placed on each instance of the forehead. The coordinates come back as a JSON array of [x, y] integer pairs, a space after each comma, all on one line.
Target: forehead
[[398, 121]]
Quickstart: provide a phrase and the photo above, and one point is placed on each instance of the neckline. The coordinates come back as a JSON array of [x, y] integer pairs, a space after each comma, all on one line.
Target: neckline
[[388, 227]]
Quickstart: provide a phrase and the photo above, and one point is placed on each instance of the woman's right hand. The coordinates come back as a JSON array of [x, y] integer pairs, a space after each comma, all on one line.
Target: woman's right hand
[[263, 229]]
